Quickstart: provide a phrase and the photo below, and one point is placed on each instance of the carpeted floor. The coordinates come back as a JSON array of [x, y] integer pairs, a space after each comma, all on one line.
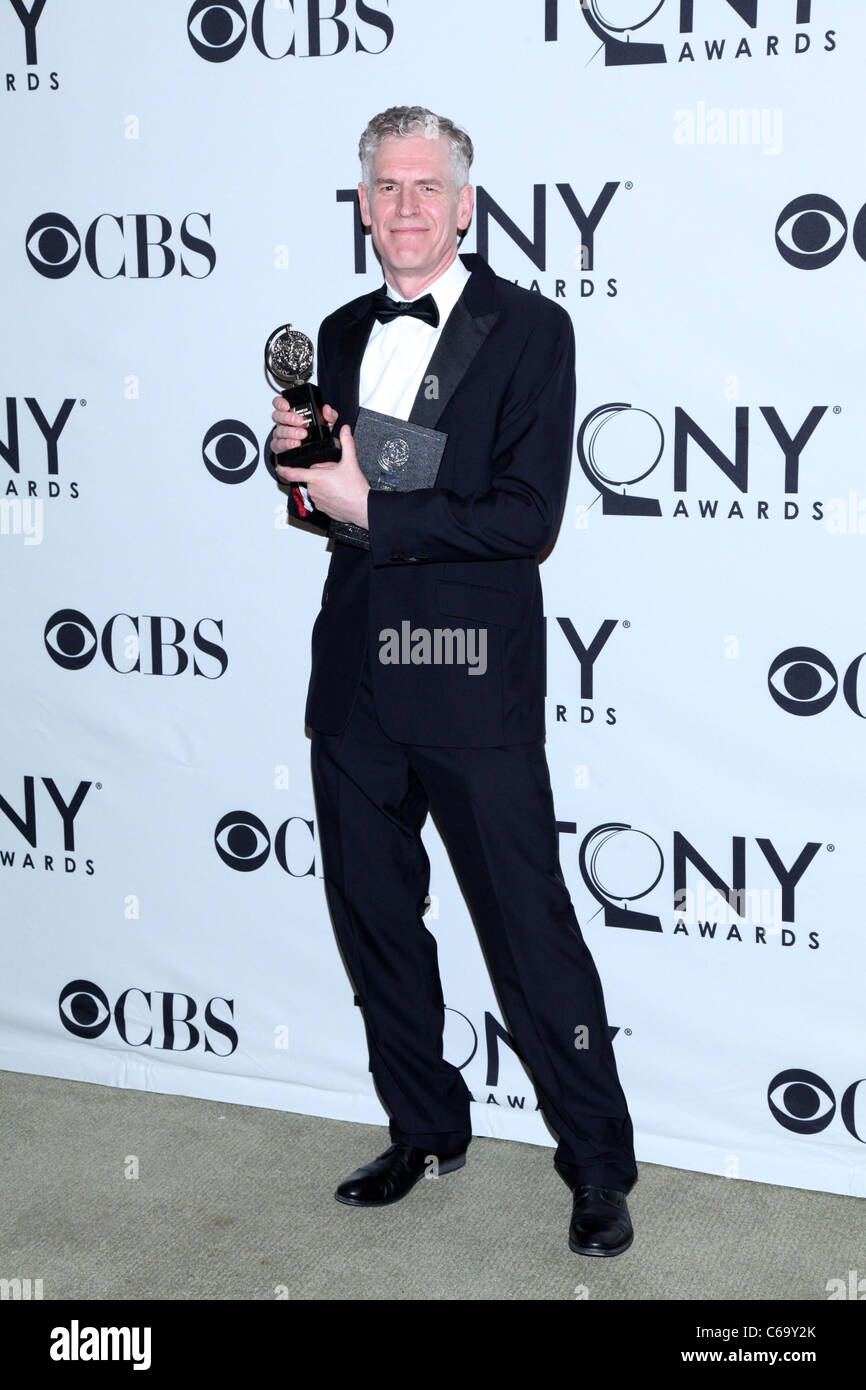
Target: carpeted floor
[[232, 1202]]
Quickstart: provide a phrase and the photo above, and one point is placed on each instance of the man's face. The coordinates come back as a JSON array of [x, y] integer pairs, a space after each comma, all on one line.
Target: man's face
[[413, 208]]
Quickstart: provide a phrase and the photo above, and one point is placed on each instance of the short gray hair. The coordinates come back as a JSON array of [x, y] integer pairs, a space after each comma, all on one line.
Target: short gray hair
[[401, 121]]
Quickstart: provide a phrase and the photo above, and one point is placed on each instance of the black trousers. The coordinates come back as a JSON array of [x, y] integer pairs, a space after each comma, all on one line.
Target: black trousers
[[494, 808]]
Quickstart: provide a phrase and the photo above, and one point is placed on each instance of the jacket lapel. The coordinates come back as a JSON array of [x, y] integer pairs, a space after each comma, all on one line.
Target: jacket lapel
[[354, 341], [467, 327]]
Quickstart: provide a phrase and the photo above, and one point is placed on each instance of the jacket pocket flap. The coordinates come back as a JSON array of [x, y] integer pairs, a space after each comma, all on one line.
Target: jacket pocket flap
[[498, 606]]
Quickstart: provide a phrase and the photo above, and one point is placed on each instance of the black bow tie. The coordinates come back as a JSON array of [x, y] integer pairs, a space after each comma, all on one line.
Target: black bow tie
[[386, 308]]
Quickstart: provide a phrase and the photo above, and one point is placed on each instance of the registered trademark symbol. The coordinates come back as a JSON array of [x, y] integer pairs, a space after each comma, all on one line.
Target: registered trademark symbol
[[831, 849], [628, 184], [837, 410], [98, 786], [82, 402], [626, 622], [627, 1032]]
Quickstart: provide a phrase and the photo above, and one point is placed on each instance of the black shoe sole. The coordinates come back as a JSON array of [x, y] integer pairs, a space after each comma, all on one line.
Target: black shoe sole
[[449, 1165], [582, 1250]]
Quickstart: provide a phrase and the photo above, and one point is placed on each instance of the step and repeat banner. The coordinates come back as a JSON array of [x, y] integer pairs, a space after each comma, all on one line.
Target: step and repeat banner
[[687, 179]]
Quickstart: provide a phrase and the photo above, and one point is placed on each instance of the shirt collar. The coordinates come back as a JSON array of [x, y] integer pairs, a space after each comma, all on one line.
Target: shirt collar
[[446, 290]]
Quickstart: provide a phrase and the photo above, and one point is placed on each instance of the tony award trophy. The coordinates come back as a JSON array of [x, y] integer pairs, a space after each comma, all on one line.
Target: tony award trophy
[[288, 365]]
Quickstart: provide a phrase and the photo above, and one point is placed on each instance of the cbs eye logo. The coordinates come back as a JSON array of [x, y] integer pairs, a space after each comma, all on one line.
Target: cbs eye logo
[[803, 681], [217, 31], [70, 639], [53, 245], [812, 230], [243, 843], [803, 1103], [87, 1013], [230, 451]]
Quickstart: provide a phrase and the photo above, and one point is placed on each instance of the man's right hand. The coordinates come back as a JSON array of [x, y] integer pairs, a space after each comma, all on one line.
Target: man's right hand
[[291, 429]]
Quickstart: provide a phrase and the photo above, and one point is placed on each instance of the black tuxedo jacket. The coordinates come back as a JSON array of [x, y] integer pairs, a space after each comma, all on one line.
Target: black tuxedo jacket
[[464, 553]]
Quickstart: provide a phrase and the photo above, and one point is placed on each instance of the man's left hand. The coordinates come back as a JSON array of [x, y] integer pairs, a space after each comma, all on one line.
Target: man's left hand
[[338, 489]]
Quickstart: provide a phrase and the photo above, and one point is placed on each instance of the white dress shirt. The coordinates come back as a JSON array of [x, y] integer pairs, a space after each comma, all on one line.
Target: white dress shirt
[[398, 352]]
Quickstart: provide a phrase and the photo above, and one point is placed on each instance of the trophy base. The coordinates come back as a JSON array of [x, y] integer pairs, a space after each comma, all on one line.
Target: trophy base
[[320, 446]]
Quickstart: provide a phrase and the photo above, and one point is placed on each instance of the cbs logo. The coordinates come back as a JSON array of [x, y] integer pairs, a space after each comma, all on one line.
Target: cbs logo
[[804, 681], [803, 1103], [135, 246], [145, 1018], [152, 644], [230, 451], [811, 232], [217, 29], [243, 843]]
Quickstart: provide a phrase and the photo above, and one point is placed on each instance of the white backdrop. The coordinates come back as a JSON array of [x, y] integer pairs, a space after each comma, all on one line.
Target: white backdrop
[[178, 182]]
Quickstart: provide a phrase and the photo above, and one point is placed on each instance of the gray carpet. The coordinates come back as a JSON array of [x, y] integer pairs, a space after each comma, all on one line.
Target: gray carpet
[[233, 1202]]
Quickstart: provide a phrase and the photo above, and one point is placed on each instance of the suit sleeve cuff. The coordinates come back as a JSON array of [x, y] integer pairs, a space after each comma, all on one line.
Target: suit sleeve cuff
[[387, 524]]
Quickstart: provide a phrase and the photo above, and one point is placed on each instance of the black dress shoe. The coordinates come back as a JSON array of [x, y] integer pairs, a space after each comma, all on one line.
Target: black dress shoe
[[394, 1173], [600, 1223]]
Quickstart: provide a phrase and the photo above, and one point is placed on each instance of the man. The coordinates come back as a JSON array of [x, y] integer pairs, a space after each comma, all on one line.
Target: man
[[450, 346]]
